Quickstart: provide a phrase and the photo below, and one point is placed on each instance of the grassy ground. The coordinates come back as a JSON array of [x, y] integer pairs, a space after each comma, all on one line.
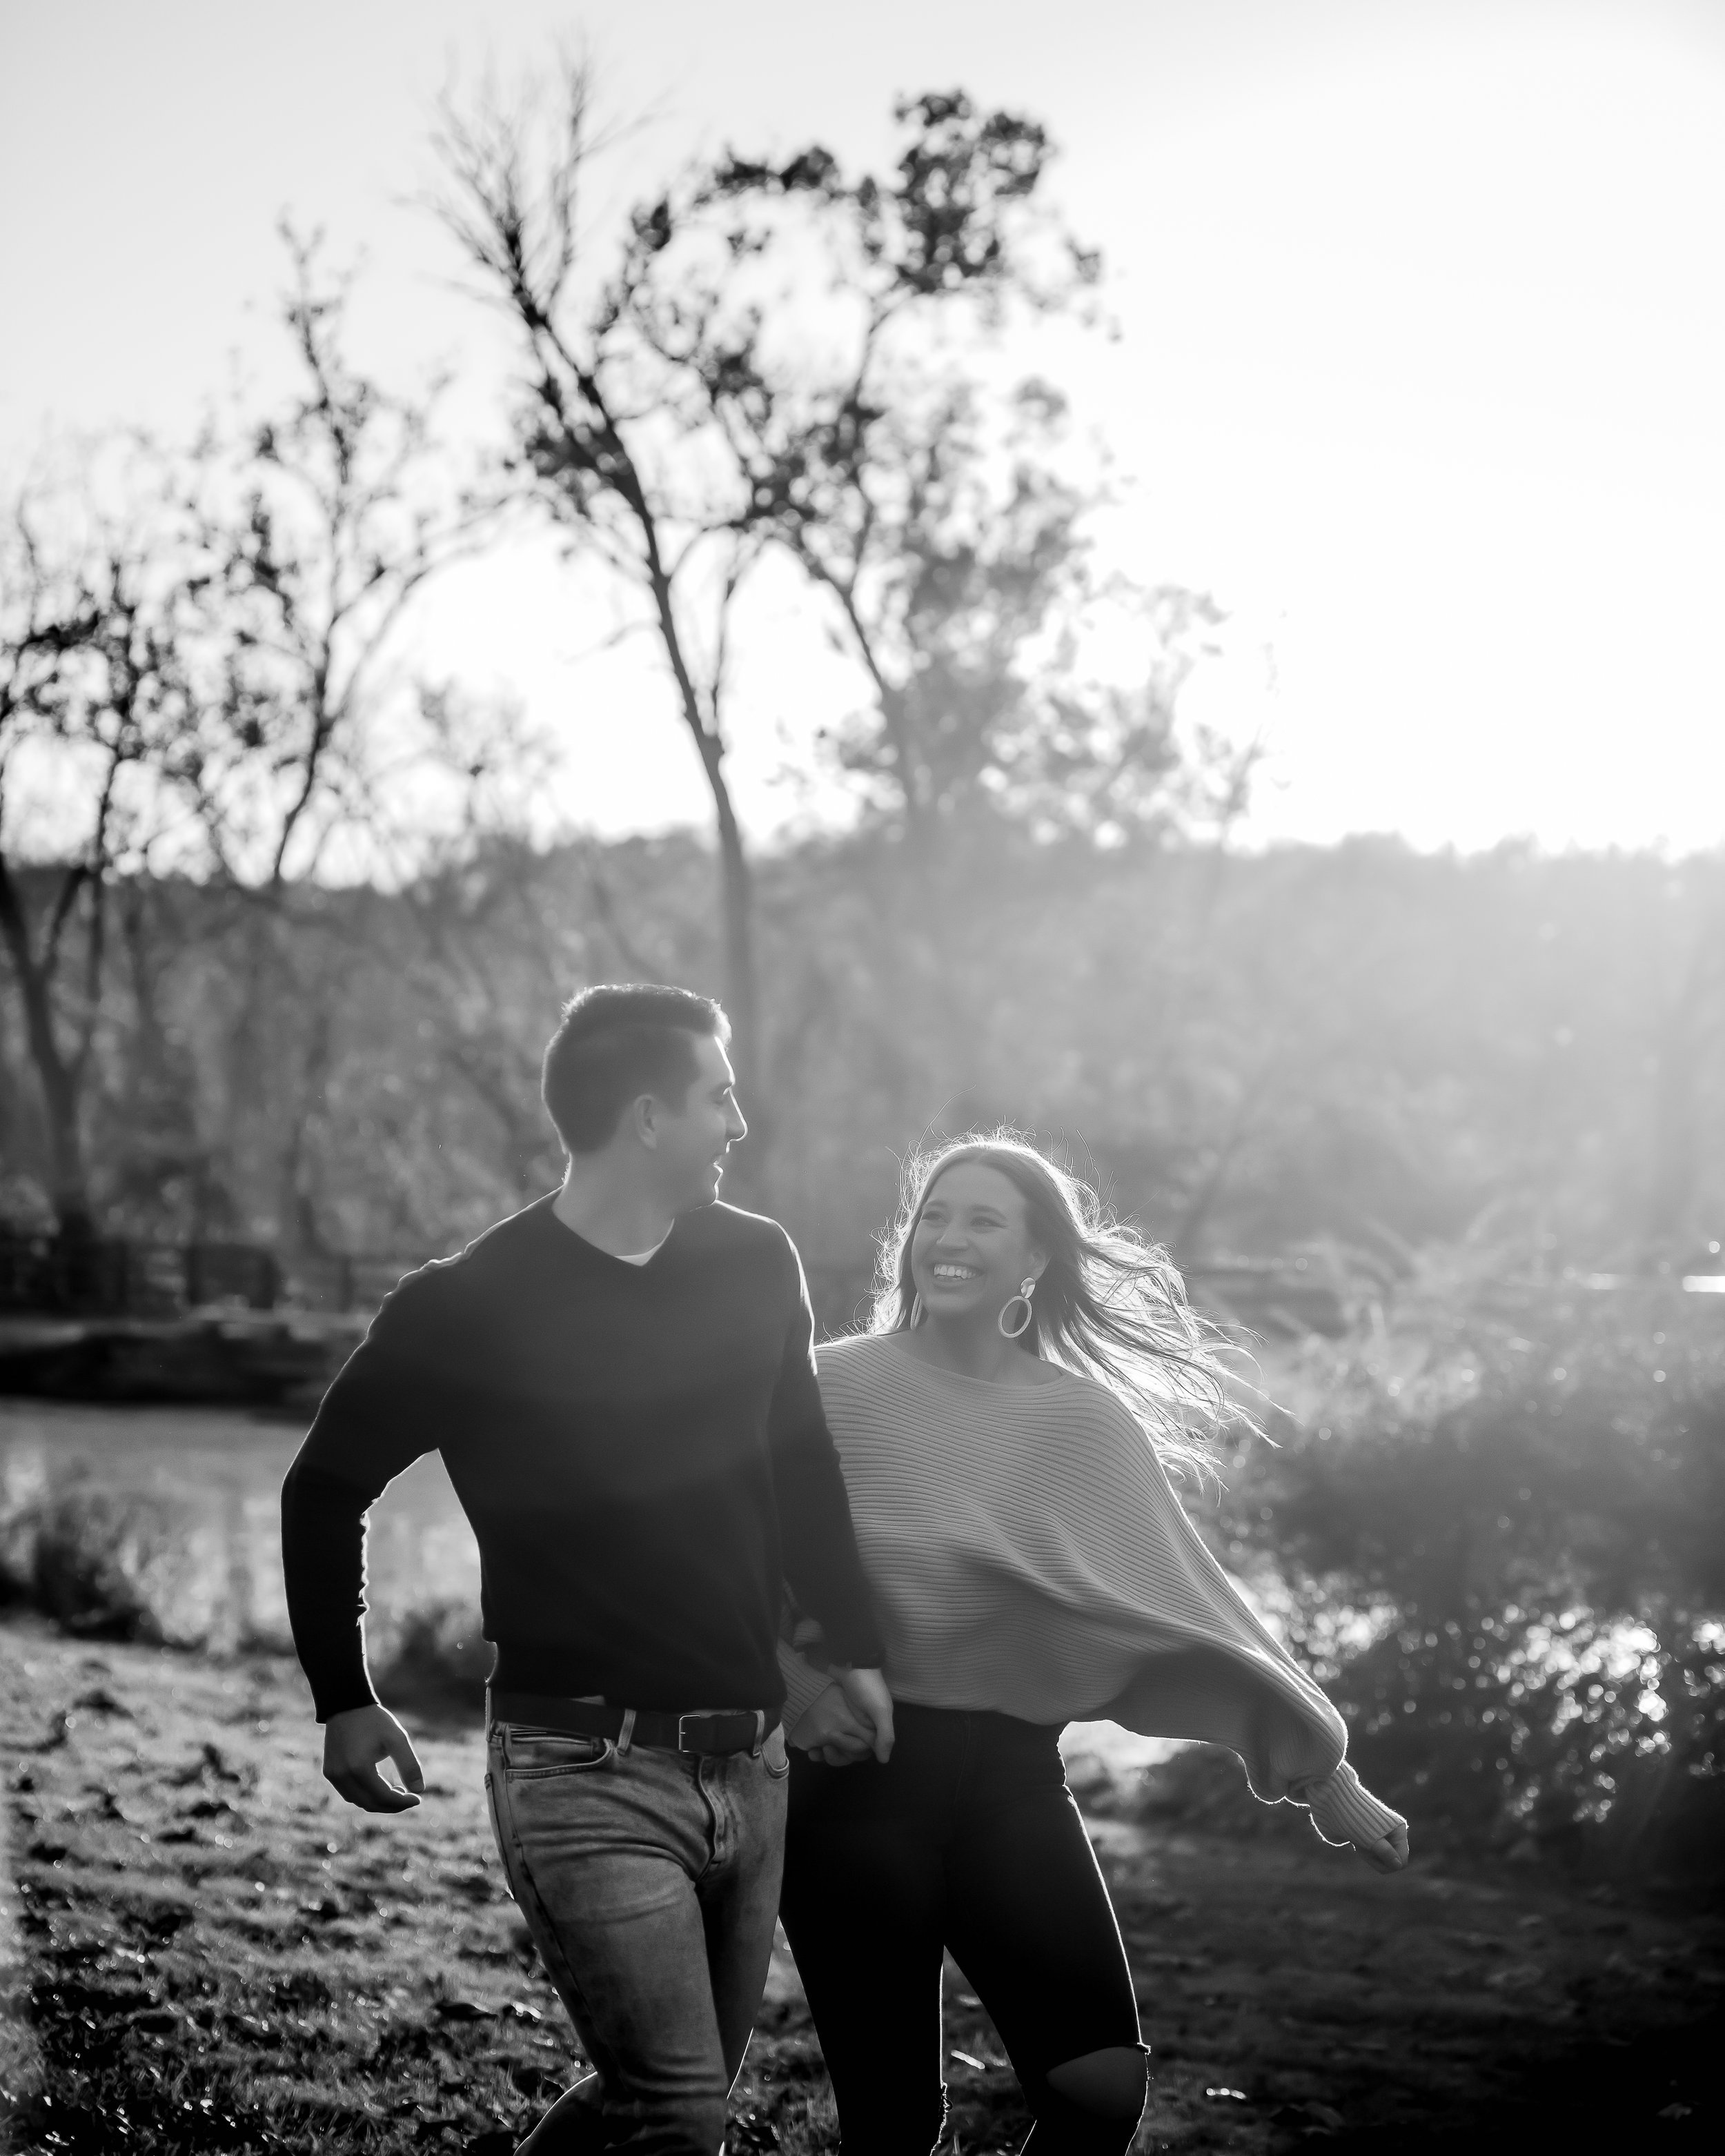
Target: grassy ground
[[222, 1956]]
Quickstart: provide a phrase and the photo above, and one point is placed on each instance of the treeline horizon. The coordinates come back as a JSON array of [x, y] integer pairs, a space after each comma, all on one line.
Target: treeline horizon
[[1354, 1049]]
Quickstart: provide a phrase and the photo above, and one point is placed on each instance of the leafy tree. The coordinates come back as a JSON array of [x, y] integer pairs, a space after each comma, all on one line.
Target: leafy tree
[[839, 337], [845, 337], [769, 361], [817, 316]]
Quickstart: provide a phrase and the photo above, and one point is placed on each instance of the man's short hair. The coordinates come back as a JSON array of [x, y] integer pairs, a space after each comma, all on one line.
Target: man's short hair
[[616, 1043]]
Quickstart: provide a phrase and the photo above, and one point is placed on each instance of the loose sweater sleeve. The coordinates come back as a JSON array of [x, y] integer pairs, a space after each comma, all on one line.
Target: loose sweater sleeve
[[804, 1684], [1028, 1556], [387, 1406], [1266, 1706], [820, 1555]]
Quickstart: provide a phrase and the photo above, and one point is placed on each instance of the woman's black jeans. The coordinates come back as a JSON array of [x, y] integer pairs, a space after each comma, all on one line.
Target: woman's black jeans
[[968, 1838]]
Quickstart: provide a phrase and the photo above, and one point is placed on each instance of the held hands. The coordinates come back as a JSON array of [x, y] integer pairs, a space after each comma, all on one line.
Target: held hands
[[845, 1723], [354, 1742], [828, 1731], [866, 1696]]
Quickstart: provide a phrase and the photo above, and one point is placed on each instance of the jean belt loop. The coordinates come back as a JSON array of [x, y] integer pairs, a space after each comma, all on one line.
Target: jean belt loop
[[760, 1732], [625, 1736]]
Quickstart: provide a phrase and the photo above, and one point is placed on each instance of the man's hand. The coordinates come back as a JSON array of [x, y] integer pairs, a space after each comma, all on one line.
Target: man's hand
[[354, 1742], [830, 1732], [868, 1700]]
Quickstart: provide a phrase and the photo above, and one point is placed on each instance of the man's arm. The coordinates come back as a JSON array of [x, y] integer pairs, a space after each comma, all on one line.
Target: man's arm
[[820, 1555], [384, 1409]]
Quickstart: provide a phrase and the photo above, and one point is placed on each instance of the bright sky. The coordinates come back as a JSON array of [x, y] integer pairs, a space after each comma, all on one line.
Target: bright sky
[[1423, 305]]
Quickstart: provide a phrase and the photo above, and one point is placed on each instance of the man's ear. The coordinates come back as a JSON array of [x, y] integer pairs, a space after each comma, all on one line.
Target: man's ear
[[643, 1112]]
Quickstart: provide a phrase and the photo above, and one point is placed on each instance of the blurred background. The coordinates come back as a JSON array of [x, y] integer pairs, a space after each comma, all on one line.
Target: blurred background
[[1153, 576]]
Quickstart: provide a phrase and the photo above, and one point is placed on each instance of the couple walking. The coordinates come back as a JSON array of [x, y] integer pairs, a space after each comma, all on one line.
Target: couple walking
[[725, 1586]]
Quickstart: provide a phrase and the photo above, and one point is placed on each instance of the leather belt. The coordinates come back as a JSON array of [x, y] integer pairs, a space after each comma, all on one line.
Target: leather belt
[[659, 1731]]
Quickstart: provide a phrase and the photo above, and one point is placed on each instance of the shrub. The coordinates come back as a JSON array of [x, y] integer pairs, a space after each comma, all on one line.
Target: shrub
[[109, 1567], [434, 1660], [1520, 1501]]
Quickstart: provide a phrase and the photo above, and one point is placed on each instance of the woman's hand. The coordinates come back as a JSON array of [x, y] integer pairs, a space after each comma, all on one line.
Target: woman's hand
[[830, 1731], [1343, 1810], [1389, 1851], [867, 1697]]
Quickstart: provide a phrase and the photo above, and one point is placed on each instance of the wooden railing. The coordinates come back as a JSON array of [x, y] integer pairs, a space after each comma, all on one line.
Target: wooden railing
[[120, 1277]]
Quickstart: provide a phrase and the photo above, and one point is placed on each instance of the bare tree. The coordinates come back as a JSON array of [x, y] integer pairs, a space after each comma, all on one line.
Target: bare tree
[[324, 522], [93, 691], [604, 434]]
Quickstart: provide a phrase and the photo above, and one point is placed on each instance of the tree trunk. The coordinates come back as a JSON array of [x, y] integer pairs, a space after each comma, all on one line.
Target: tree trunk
[[737, 887], [737, 894], [56, 1077], [737, 884]]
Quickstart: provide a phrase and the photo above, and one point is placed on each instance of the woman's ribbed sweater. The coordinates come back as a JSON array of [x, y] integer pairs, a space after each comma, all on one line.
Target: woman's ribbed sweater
[[1026, 1555]]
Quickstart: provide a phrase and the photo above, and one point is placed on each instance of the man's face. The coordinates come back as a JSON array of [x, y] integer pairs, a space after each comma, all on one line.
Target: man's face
[[691, 1143]]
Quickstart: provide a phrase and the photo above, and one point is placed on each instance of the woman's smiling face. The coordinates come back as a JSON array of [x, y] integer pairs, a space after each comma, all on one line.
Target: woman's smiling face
[[971, 1246]]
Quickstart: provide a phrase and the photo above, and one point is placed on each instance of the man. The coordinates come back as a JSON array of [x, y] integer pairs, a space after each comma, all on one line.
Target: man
[[621, 1384]]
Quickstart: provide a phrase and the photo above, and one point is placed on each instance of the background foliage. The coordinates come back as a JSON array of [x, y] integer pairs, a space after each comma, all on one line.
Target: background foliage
[[282, 940], [1358, 1045]]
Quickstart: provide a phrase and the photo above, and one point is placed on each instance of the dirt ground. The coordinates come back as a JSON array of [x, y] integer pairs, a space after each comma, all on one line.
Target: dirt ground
[[212, 1954]]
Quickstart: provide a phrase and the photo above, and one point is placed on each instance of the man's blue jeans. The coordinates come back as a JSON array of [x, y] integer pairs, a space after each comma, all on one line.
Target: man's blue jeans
[[649, 1881]]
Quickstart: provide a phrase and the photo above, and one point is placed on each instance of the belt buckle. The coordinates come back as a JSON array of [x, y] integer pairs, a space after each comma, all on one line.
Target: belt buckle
[[741, 1715]]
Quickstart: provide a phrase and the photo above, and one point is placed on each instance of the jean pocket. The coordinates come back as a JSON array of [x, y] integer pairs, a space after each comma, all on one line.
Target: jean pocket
[[775, 1756], [536, 1754]]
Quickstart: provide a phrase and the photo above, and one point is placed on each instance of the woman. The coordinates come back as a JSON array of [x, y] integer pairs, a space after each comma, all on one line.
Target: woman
[[1005, 1429]]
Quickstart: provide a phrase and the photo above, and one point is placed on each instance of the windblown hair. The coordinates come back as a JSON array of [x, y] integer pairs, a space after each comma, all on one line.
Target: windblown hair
[[1109, 1305]]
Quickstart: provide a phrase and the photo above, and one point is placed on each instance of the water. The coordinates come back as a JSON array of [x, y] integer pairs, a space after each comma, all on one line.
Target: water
[[191, 1498]]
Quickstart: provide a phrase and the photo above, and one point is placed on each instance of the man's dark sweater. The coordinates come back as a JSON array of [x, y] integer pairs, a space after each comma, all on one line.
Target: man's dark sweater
[[641, 1449]]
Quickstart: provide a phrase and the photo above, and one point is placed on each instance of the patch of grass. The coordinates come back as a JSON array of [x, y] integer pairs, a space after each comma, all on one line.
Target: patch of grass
[[225, 1958], [228, 1957]]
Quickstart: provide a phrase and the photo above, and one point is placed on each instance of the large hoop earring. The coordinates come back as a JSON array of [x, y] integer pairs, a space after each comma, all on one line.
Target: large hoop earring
[[1026, 1289], [915, 1310]]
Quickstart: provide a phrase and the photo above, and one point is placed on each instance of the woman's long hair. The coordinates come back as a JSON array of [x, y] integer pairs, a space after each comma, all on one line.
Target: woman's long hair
[[1109, 1305]]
